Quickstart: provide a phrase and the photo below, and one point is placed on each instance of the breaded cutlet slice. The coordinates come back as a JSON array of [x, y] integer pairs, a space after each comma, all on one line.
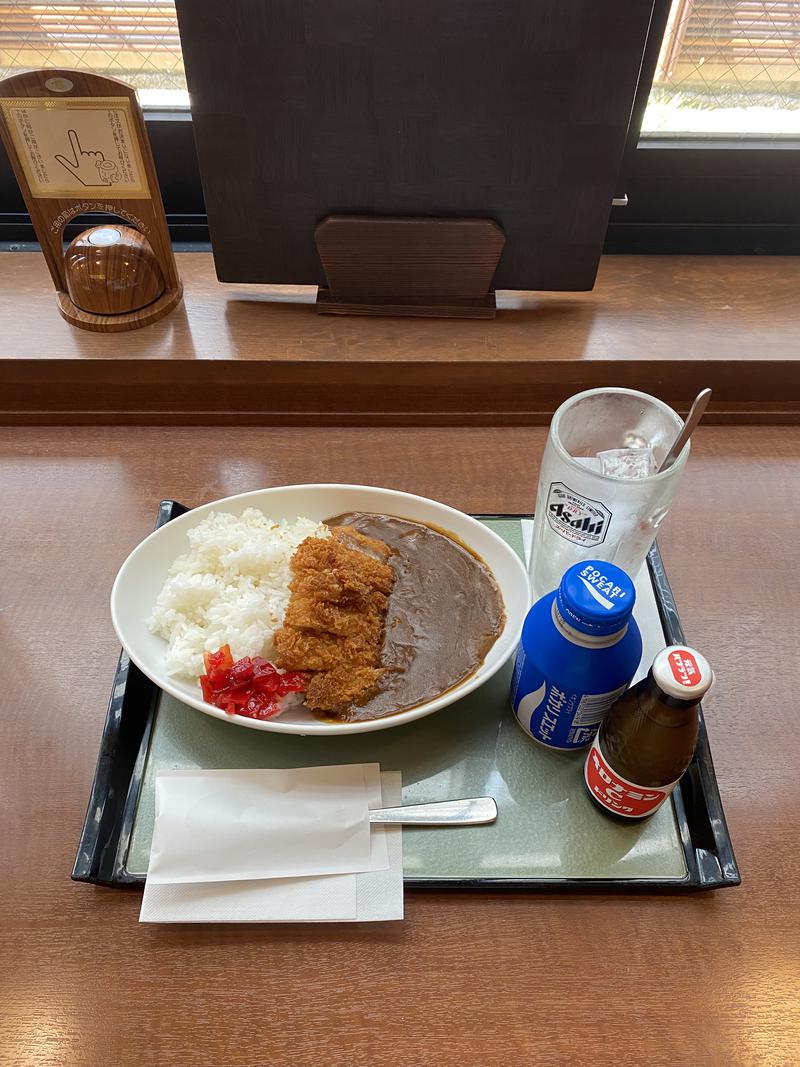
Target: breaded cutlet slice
[[342, 687], [353, 538], [314, 650], [334, 622], [308, 613], [337, 569]]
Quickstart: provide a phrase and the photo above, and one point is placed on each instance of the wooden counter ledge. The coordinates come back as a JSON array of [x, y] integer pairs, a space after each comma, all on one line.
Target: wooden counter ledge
[[259, 354]]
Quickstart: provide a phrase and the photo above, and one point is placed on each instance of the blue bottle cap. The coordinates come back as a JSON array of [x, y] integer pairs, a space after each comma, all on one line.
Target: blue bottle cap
[[595, 598]]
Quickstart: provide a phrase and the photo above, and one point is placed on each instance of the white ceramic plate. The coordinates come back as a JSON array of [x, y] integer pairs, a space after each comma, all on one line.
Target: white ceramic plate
[[143, 574]]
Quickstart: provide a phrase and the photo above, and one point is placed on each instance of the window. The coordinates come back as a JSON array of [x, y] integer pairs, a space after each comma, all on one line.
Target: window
[[727, 68], [136, 41], [716, 168]]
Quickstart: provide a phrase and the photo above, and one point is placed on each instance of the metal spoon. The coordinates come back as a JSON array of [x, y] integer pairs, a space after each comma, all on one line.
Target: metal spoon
[[469, 812], [696, 413]]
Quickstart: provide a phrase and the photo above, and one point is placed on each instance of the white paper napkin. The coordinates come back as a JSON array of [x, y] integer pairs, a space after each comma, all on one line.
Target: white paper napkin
[[373, 891], [234, 825]]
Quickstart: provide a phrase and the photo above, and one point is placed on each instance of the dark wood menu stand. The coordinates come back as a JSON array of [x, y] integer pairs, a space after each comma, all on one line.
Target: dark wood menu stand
[[408, 266]]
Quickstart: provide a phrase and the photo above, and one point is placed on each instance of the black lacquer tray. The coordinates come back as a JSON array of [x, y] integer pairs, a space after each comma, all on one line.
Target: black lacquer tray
[[531, 848]]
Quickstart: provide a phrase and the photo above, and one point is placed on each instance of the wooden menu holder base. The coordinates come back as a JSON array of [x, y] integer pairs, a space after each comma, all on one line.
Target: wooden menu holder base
[[129, 320], [78, 146], [408, 266]]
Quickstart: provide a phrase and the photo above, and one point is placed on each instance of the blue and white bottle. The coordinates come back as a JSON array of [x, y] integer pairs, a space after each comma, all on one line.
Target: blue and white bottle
[[580, 649]]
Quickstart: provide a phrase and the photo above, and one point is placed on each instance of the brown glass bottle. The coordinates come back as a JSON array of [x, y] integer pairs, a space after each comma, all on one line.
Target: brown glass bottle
[[647, 740]]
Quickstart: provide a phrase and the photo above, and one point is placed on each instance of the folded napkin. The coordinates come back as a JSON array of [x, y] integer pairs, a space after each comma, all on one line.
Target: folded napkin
[[274, 846]]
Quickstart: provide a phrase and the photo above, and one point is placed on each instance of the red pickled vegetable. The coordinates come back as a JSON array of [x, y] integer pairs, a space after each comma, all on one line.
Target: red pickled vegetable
[[242, 671], [208, 690], [218, 661], [251, 686]]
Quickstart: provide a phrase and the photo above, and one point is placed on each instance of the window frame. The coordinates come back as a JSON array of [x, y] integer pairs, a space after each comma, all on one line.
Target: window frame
[[710, 195], [729, 198]]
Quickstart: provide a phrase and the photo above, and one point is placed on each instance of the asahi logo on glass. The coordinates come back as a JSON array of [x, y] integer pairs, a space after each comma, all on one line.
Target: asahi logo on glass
[[580, 520]]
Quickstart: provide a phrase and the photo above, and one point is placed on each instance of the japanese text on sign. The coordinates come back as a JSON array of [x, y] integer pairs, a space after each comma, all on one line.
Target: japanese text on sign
[[76, 146]]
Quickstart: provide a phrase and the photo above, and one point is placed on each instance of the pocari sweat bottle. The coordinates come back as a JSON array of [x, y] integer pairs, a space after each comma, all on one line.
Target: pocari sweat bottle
[[580, 649]]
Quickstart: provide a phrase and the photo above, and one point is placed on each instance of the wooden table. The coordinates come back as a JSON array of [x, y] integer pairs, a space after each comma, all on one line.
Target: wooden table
[[467, 979], [259, 354]]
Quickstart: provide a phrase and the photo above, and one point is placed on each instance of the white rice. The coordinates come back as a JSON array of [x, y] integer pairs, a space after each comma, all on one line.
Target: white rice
[[231, 587]]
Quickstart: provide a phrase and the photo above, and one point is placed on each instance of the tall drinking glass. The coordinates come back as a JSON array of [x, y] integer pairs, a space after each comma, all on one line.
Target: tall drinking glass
[[582, 513]]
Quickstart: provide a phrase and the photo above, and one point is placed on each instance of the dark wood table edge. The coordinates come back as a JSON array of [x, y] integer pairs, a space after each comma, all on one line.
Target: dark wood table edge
[[382, 392]]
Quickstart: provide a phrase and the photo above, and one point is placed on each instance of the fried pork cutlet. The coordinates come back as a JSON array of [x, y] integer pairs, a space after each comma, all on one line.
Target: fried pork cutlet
[[342, 687], [353, 538], [335, 620]]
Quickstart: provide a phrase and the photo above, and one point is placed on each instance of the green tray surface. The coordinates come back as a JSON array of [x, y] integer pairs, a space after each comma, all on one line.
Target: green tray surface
[[547, 828]]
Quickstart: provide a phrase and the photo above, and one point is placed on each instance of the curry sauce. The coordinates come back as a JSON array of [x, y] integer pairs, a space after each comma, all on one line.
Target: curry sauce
[[444, 613]]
